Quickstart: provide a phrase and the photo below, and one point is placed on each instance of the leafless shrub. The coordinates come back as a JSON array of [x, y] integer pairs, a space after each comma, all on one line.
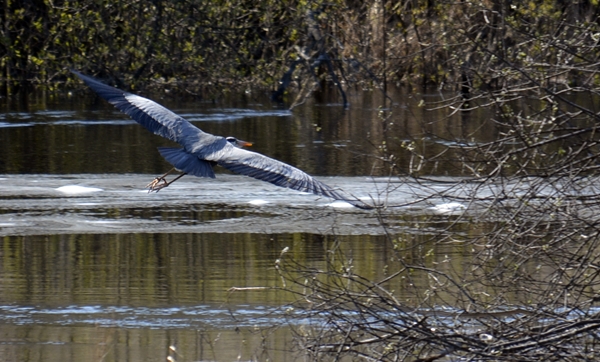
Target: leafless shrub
[[524, 284], [519, 299]]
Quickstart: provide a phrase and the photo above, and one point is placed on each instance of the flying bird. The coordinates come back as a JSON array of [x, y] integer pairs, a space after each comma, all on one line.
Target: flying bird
[[202, 151]]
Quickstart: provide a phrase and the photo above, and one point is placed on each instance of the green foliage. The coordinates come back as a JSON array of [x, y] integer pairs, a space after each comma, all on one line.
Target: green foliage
[[234, 42]]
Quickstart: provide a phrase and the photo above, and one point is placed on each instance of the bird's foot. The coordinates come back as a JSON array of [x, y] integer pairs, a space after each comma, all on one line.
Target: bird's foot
[[161, 182], [157, 184]]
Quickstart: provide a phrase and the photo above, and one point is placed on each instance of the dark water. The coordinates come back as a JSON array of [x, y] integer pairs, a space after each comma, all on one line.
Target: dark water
[[131, 296], [76, 133], [93, 268]]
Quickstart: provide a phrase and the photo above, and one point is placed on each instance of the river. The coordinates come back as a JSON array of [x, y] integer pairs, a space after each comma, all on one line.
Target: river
[[95, 268]]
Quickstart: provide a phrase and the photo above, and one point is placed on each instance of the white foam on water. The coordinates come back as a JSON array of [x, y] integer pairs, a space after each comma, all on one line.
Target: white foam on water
[[450, 208], [338, 204], [76, 189], [258, 202]]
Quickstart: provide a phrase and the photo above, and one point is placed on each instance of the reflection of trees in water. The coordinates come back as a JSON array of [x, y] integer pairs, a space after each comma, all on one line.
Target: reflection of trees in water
[[494, 298], [528, 289]]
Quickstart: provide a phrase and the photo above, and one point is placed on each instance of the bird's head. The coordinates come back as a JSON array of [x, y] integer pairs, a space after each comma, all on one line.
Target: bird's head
[[238, 143]]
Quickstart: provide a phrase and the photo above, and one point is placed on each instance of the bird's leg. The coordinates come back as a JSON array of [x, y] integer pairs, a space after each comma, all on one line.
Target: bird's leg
[[158, 179], [160, 182], [158, 187]]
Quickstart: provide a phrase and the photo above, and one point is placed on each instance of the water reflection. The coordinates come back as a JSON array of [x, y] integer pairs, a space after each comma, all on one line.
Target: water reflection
[[150, 270], [94, 268], [28, 343], [61, 136], [69, 297]]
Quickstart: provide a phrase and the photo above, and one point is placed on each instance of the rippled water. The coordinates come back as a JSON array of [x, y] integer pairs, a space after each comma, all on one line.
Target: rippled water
[[94, 268], [41, 204]]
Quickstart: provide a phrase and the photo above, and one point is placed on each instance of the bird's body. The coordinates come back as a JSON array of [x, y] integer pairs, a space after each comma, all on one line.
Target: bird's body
[[201, 151]]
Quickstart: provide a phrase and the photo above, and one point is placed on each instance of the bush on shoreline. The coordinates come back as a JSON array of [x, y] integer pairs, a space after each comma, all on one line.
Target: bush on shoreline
[[471, 46]]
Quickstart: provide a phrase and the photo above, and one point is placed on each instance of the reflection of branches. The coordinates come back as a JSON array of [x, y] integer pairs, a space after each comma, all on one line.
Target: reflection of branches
[[356, 316], [524, 282]]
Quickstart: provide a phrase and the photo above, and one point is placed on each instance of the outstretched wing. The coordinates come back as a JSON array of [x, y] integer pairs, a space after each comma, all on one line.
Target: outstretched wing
[[278, 173], [156, 118], [187, 162], [208, 148]]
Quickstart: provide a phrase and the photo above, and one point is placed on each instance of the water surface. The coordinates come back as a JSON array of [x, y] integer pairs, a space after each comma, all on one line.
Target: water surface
[[95, 268]]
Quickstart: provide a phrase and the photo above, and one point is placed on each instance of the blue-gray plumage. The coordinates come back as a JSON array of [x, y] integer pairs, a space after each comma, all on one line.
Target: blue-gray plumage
[[202, 150]]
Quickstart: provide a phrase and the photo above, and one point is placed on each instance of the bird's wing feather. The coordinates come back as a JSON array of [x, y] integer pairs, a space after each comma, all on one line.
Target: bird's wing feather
[[278, 173], [156, 118], [198, 144], [187, 162]]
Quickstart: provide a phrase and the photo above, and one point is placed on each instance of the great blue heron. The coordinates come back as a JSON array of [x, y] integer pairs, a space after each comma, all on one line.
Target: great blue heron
[[201, 150]]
